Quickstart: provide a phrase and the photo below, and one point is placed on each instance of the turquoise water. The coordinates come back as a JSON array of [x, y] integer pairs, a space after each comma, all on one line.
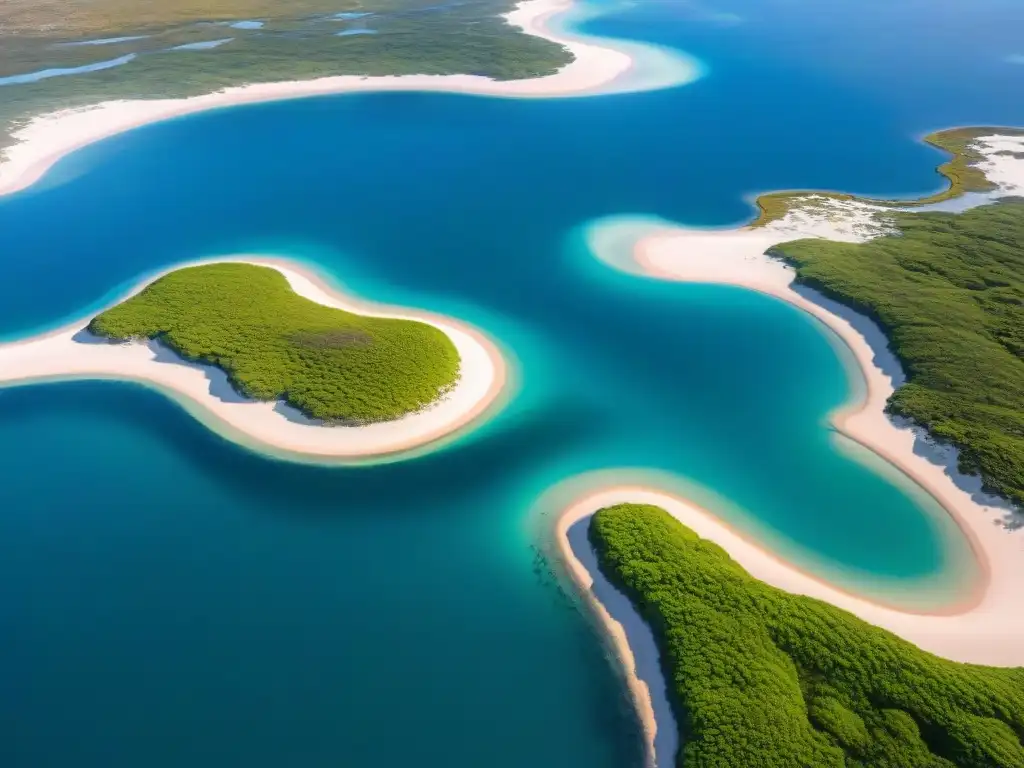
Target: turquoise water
[[173, 599]]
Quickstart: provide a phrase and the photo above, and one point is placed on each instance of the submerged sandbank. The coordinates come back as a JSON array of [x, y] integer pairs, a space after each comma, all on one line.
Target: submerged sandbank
[[72, 353], [598, 66]]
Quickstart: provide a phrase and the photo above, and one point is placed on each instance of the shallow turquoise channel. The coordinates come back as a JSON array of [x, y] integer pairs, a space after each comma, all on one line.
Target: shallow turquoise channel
[[172, 599]]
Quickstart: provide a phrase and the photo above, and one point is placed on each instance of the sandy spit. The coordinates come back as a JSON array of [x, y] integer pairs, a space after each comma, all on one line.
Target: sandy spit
[[47, 138], [987, 627], [989, 632], [72, 353]]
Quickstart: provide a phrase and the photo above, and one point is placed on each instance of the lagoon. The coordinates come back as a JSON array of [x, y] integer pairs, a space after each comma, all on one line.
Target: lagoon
[[173, 588]]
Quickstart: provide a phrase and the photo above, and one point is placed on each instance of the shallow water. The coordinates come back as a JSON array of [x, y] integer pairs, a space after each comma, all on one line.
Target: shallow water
[[173, 599], [46, 74]]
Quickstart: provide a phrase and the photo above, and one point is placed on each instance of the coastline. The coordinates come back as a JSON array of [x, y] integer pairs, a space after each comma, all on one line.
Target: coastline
[[990, 631], [968, 172], [70, 352], [985, 626], [45, 139], [739, 260], [622, 634]]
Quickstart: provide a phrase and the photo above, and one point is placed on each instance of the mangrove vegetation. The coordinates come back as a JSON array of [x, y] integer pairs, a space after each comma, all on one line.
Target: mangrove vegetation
[[274, 344], [760, 677]]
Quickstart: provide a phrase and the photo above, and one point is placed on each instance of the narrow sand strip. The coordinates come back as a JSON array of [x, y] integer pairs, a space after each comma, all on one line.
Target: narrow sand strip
[[991, 632], [625, 631], [987, 628], [594, 69], [72, 353]]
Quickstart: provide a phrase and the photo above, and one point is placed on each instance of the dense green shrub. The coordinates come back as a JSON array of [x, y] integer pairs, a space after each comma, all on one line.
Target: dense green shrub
[[274, 344], [761, 678], [949, 293]]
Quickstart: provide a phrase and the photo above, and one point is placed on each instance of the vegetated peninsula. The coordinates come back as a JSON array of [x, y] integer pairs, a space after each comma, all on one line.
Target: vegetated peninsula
[[59, 55], [273, 344], [961, 171], [761, 677], [948, 291]]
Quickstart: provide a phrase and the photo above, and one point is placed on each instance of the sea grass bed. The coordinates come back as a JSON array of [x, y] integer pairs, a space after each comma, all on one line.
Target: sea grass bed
[[274, 344], [760, 677]]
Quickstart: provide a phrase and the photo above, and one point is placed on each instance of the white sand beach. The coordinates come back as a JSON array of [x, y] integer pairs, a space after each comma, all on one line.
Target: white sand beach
[[987, 626], [990, 631], [72, 353], [595, 68]]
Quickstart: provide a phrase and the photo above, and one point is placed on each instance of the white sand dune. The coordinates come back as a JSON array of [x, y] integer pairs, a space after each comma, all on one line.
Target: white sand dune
[[72, 353]]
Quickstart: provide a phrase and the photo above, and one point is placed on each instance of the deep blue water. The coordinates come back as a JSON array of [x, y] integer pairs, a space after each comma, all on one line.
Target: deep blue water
[[172, 599]]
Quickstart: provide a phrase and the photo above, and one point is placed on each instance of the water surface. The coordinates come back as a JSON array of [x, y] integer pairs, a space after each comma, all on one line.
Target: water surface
[[173, 599]]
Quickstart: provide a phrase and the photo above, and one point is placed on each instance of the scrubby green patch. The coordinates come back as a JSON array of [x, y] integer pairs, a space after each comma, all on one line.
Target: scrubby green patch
[[760, 677], [274, 344], [299, 41], [949, 293], [960, 171]]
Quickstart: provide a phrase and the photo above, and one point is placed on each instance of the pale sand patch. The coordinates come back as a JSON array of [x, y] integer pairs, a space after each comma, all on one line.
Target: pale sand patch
[[70, 353], [1003, 170], [596, 68]]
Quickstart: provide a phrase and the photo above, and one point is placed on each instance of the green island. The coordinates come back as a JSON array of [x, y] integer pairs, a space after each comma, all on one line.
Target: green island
[[949, 293], [959, 171], [274, 344], [760, 677], [298, 40]]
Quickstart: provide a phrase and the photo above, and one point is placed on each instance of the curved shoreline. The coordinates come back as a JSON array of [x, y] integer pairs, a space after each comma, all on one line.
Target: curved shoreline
[[986, 625], [962, 173], [70, 352], [980, 634], [737, 258], [620, 636], [595, 69]]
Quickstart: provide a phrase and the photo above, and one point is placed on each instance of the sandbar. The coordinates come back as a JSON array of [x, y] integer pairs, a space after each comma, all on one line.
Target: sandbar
[[596, 68], [71, 352]]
